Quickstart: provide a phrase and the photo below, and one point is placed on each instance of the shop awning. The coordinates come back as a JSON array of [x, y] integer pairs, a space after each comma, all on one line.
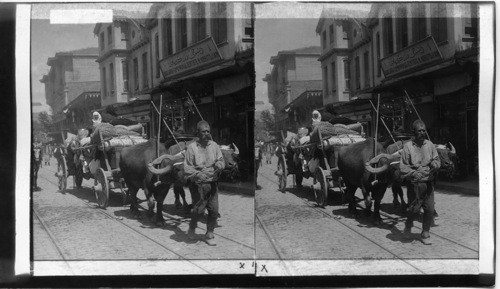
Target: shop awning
[[391, 81], [312, 98], [202, 73]]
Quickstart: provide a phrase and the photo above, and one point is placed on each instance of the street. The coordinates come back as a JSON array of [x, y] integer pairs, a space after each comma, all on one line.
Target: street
[[71, 227], [290, 226]]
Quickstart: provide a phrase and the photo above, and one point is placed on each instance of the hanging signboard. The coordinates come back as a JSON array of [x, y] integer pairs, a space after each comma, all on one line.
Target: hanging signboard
[[418, 54], [195, 56]]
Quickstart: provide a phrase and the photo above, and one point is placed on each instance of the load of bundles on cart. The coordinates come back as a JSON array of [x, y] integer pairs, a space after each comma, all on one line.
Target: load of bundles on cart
[[309, 149], [106, 141]]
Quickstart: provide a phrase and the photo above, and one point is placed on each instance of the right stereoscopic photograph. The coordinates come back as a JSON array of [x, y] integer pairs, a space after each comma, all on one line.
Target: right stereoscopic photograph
[[371, 138]]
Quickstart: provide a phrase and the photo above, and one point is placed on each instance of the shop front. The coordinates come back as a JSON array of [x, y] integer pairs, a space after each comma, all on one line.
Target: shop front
[[300, 109], [445, 96], [219, 91]]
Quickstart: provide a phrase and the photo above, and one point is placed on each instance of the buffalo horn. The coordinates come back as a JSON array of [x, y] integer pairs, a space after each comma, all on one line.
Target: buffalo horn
[[376, 159], [236, 150], [158, 161], [453, 150], [375, 171], [161, 171]]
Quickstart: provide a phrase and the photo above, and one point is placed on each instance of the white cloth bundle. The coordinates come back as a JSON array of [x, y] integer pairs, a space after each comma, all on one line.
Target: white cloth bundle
[[304, 140], [123, 141], [85, 141], [343, 140]]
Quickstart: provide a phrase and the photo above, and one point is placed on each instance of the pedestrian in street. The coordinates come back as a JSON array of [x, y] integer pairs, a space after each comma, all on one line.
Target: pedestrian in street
[[268, 155], [258, 161], [419, 165], [59, 152], [202, 166]]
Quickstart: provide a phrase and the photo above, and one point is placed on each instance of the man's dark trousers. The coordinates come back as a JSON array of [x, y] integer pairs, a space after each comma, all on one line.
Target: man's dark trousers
[[204, 196], [421, 195]]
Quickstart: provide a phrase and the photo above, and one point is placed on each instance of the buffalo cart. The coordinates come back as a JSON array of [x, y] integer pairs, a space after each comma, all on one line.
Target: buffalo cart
[[312, 160], [67, 164], [327, 178], [101, 162]]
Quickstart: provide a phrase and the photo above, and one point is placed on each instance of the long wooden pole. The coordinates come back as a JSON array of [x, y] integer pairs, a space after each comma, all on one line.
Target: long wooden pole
[[385, 125], [166, 125], [194, 104], [159, 129], [376, 125], [418, 115], [376, 133], [196, 107], [158, 135]]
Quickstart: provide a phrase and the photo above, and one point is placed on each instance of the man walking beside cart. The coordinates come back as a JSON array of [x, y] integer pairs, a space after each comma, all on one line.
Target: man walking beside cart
[[419, 165], [202, 166]]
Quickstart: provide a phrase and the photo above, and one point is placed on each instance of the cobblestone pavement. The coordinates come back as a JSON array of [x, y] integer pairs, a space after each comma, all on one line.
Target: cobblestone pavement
[[70, 226], [302, 231]]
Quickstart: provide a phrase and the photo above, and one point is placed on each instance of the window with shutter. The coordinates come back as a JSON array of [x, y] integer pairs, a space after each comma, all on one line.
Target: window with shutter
[[219, 22], [439, 23]]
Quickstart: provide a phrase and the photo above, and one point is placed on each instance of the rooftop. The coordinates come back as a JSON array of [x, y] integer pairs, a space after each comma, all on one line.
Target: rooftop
[[310, 50], [89, 51], [342, 14], [83, 51]]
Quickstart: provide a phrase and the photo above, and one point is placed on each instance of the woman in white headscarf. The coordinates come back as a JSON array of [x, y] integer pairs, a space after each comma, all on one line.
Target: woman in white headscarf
[[96, 118], [316, 117]]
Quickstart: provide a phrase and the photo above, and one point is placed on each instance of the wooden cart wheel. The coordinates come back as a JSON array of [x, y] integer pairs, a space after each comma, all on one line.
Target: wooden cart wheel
[[62, 174], [101, 190], [321, 192], [282, 173]]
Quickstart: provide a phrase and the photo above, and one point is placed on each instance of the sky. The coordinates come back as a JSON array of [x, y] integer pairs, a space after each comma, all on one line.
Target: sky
[[48, 39], [278, 26], [285, 26], [273, 35]]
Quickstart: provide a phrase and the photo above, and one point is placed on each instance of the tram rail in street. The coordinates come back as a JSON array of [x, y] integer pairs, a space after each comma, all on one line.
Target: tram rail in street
[[127, 226], [385, 217]]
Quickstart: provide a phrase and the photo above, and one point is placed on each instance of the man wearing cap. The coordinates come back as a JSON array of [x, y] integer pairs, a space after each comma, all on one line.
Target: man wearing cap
[[202, 166], [419, 165]]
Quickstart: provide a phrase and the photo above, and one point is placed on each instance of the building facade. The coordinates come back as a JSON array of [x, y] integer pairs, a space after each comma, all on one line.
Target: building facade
[[125, 64], [408, 54], [204, 66], [71, 74], [196, 57], [293, 73]]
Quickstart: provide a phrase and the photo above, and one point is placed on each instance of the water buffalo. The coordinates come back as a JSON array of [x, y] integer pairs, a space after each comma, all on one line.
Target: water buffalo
[[448, 156], [133, 165], [137, 168], [230, 154], [355, 166], [448, 168]]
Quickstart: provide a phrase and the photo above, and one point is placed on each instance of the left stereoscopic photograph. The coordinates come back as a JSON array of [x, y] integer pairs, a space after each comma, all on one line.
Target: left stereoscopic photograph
[[142, 138]]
